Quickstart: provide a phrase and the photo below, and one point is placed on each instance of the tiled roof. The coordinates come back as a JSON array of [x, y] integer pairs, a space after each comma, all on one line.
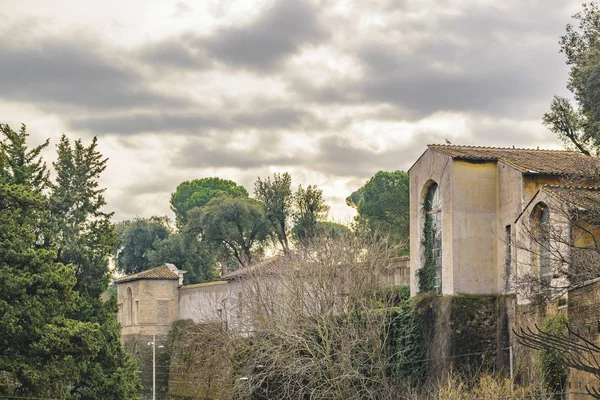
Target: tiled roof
[[260, 267], [584, 197], [162, 272], [553, 162]]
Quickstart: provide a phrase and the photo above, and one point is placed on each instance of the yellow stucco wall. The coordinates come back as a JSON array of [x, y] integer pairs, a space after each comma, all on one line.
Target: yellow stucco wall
[[474, 225]]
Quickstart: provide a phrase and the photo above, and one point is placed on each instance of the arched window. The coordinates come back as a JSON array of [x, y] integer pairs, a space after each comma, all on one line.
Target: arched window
[[541, 236], [128, 307], [433, 242]]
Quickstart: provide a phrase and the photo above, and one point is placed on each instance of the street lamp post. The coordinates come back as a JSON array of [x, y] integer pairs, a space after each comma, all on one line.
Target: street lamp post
[[153, 343]]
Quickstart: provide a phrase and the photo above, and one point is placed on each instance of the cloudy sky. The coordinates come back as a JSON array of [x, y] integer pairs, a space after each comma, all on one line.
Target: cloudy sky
[[330, 90]]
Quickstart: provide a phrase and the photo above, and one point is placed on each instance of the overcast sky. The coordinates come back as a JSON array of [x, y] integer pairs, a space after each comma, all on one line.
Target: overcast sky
[[331, 91]]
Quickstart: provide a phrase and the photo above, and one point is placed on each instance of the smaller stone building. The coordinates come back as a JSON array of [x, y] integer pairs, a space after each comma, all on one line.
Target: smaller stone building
[[149, 300]]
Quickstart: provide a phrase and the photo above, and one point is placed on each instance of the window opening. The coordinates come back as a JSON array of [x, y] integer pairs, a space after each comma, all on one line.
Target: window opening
[[544, 244], [508, 259], [433, 240]]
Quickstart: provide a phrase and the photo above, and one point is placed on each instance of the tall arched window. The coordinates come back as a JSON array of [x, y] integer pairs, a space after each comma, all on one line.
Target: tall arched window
[[541, 236], [128, 307], [433, 238]]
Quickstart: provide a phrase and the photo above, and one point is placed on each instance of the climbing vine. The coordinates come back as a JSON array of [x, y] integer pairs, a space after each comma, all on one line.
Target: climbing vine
[[554, 371], [426, 274], [406, 344]]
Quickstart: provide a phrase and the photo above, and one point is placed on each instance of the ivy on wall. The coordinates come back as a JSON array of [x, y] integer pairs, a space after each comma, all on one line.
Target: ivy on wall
[[406, 343], [426, 274], [554, 372]]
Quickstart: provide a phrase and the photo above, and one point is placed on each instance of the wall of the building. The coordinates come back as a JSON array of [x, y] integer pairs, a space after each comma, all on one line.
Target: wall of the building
[[438, 168], [509, 205], [584, 318], [213, 302], [473, 234], [155, 306]]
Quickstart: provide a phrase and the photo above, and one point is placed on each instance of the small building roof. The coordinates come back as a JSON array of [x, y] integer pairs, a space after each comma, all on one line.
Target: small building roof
[[260, 267], [550, 162], [158, 273], [581, 197]]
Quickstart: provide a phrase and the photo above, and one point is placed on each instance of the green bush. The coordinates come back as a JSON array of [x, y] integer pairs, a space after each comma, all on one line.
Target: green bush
[[554, 372]]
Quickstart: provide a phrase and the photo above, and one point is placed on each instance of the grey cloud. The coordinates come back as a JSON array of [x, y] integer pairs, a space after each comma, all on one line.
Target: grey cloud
[[333, 155], [200, 155], [268, 40], [274, 118], [62, 72], [482, 59], [174, 53]]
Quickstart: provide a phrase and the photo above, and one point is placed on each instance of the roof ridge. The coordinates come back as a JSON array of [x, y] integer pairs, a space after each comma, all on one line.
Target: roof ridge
[[465, 146]]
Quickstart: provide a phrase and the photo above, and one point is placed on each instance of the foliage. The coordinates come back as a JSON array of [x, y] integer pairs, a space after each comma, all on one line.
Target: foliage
[[382, 204], [309, 209], [83, 232], [579, 126], [188, 254], [276, 196], [426, 273], [394, 295], [41, 346], [237, 222], [136, 239], [331, 229], [85, 238], [405, 342], [197, 194], [555, 373], [325, 328]]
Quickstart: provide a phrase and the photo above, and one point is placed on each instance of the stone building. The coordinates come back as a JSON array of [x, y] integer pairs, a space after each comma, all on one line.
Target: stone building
[[474, 196], [502, 216], [479, 205], [152, 300]]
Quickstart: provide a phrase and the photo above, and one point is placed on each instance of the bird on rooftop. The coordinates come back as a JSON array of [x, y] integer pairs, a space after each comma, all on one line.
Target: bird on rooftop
[[448, 142]]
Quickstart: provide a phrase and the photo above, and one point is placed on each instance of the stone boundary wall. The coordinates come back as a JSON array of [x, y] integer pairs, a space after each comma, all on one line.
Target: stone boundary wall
[[584, 318]]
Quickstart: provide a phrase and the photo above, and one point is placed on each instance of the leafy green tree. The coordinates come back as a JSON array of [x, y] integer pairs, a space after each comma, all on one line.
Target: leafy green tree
[[85, 238], [579, 125], [238, 223], [197, 193], [137, 238], [309, 209], [42, 348], [276, 195], [187, 253], [383, 205], [84, 233], [332, 230]]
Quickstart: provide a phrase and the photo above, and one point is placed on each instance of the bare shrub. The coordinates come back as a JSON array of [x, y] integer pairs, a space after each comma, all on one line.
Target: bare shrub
[[321, 324]]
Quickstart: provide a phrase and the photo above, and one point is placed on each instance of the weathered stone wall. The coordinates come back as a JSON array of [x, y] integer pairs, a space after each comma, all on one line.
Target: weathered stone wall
[[584, 319], [201, 361], [153, 304], [396, 273], [468, 333], [140, 347]]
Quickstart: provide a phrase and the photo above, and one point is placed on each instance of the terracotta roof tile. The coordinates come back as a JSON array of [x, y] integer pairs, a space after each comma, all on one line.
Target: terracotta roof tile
[[162, 272], [553, 162], [262, 266], [584, 197]]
